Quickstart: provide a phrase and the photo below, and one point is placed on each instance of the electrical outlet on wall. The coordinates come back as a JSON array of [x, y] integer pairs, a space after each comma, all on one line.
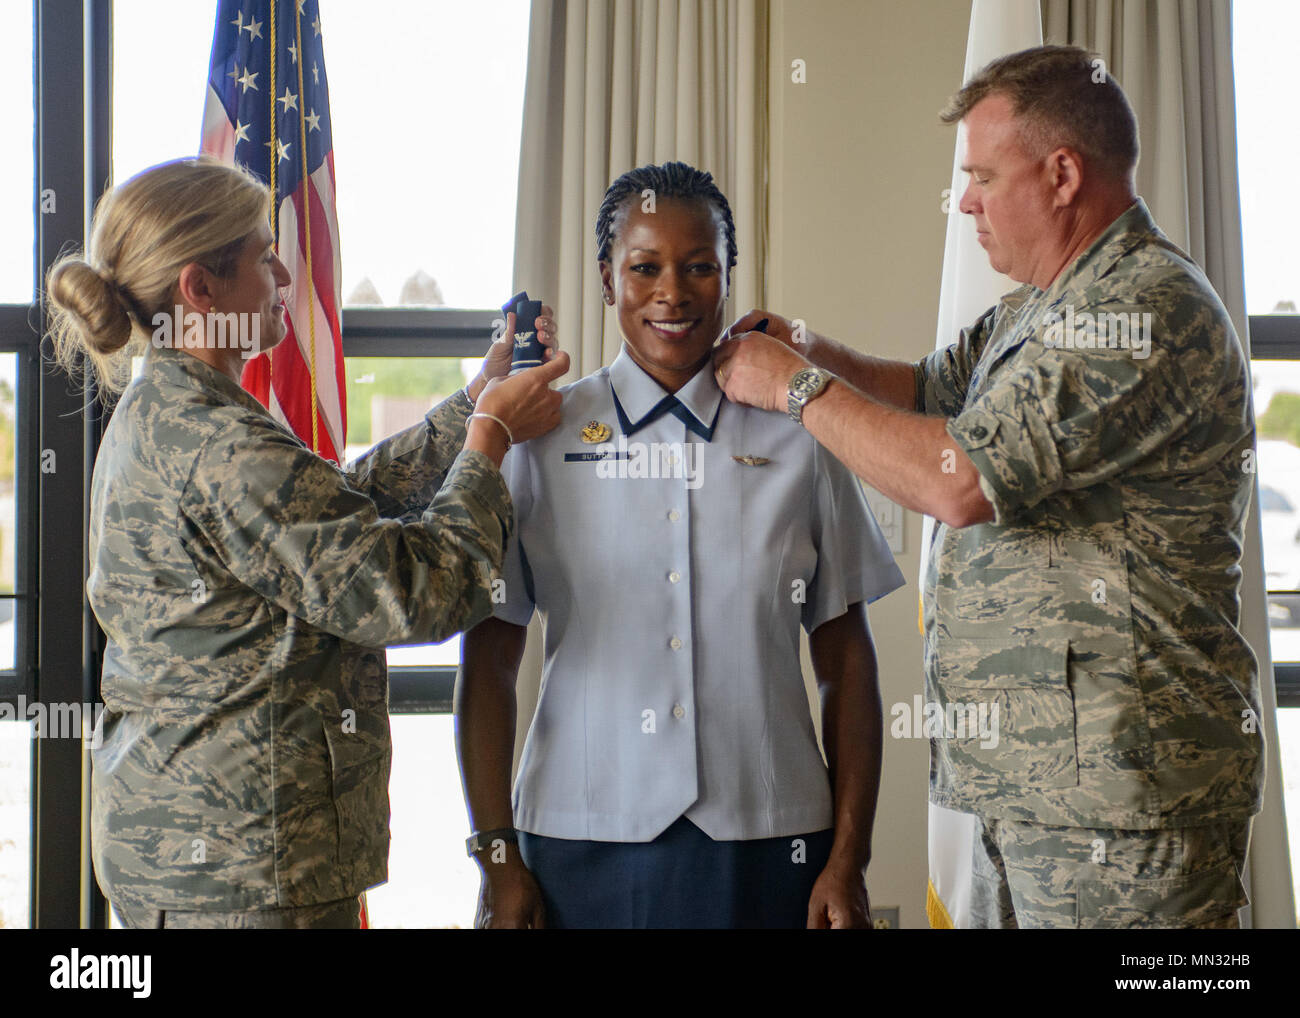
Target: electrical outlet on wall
[[889, 517]]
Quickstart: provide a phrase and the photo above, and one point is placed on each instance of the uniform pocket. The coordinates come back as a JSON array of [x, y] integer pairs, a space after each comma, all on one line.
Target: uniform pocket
[[1007, 715], [359, 767], [1192, 899]]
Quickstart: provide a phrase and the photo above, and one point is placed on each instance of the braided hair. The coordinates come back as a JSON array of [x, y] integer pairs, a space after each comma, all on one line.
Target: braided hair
[[671, 180]]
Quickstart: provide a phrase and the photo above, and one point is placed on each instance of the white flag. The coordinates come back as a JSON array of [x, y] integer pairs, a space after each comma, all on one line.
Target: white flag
[[970, 287]]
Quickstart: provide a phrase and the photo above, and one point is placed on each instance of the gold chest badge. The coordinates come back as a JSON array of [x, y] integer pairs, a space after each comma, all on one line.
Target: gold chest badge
[[595, 432]]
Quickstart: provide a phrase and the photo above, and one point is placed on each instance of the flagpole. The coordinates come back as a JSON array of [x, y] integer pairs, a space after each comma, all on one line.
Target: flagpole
[[275, 204], [306, 223], [969, 285]]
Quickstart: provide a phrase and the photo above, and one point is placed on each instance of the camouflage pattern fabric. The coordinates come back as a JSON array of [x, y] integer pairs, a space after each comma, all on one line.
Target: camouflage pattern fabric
[[248, 588], [1031, 876], [1094, 620], [344, 914]]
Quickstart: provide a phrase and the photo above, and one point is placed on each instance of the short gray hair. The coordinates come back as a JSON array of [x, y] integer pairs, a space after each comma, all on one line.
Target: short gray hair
[[1062, 96]]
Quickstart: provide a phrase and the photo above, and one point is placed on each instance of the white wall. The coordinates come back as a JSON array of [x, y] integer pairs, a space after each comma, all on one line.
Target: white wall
[[859, 161]]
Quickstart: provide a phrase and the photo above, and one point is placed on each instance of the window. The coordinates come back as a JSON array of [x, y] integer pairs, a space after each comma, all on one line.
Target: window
[[1265, 35], [158, 87], [426, 105], [17, 197], [431, 881], [385, 395], [445, 169], [10, 535], [15, 823], [20, 206]]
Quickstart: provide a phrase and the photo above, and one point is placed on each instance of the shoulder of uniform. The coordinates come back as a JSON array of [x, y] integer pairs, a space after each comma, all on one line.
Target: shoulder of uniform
[[586, 394]]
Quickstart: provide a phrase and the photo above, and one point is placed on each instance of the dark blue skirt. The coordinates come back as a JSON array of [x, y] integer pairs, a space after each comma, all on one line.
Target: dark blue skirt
[[683, 879]]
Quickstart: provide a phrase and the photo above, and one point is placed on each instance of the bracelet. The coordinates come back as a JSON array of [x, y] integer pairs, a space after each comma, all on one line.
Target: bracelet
[[480, 840], [510, 439], [467, 395]]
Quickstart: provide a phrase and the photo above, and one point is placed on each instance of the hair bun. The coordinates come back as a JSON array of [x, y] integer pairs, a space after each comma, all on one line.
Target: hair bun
[[95, 303]]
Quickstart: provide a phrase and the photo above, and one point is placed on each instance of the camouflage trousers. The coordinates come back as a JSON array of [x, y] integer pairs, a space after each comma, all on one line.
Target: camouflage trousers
[[344, 914], [1030, 876]]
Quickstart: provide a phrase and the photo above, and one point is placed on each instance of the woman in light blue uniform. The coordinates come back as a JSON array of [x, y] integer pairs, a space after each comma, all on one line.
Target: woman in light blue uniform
[[674, 543]]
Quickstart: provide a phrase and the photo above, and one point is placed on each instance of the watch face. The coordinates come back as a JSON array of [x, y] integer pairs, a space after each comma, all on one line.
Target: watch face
[[805, 382]]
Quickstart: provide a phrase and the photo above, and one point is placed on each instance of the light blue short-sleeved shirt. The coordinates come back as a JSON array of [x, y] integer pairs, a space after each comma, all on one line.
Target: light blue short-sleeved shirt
[[672, 579]]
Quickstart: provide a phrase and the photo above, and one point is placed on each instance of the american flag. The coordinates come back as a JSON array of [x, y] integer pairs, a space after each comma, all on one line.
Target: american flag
[[267, 109]]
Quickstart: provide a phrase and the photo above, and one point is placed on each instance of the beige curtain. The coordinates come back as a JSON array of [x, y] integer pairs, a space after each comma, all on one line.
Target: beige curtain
[[1174, 60], [613, 85], [616, 84]]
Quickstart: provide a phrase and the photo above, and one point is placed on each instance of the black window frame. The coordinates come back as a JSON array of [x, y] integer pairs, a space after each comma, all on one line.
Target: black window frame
[[418, 332], [1277, 338], [19, 336]]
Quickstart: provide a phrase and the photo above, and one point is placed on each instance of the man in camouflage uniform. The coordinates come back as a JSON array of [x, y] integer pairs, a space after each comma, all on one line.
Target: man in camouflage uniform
[[1086, 448], [248, 589]]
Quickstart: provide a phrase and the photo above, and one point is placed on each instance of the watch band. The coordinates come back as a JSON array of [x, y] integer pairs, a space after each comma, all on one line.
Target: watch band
[[480, 840]]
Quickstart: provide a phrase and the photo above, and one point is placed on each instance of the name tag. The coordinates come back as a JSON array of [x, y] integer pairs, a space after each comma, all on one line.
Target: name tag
[[589, 457]]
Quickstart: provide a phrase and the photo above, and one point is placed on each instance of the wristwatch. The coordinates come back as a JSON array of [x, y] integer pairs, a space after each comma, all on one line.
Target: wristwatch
[[480, 840], [806, 384]]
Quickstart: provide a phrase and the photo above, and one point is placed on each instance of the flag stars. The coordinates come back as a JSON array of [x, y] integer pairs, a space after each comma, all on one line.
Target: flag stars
[[315, 73], [313, 121], [239, 22], [241, 131], [283, 149], [249, 80], [293, 52], [290, 100], [254, 30], [315, 25]]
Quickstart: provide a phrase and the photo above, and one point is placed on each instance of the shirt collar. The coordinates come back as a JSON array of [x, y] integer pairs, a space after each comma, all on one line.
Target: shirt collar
[[636, 394], [1130, 228], [187, 371]]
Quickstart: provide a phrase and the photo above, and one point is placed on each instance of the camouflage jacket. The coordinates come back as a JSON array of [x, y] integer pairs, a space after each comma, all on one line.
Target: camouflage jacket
[[248, 588], [1092, 625]]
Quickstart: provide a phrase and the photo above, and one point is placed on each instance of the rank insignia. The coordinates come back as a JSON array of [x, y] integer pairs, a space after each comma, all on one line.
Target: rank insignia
[[595, 432], [752, 461]]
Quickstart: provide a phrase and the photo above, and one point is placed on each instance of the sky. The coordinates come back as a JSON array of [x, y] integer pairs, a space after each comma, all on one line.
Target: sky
[[426, 179]]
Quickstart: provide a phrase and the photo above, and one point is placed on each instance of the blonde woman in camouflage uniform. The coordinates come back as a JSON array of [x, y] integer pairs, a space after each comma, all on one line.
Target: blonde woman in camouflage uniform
[[247, 586]]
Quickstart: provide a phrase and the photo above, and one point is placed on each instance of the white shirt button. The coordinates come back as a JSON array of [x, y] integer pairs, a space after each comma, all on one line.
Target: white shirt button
[[674, 515], [679, 711], [675, 643], [674, 576]]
